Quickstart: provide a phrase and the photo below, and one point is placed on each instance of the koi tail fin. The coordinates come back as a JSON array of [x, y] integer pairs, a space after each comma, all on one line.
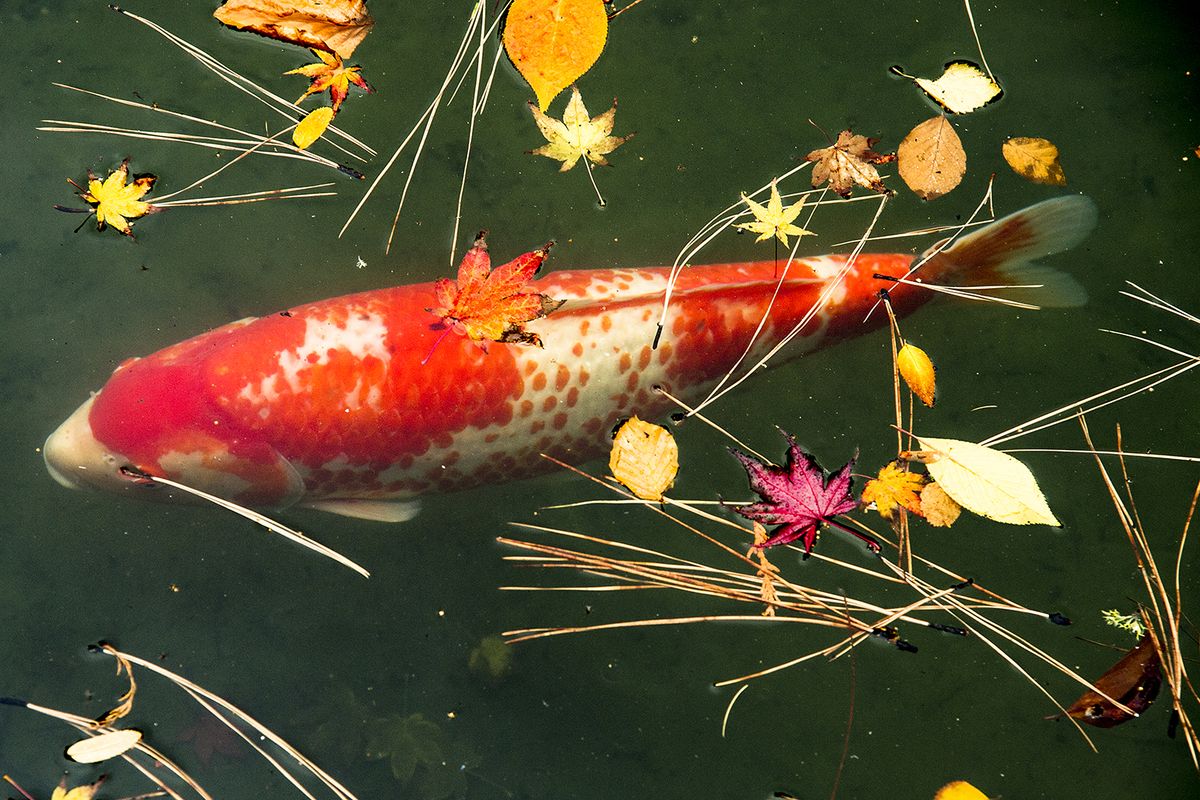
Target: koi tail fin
[[1004, 252]]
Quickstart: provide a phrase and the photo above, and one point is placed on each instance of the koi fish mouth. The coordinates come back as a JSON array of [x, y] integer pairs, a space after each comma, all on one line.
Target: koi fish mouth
[[77, 460]]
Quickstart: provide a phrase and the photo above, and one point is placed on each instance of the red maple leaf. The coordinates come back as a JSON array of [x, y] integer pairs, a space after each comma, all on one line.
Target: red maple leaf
[[487, 304], [798, 497]]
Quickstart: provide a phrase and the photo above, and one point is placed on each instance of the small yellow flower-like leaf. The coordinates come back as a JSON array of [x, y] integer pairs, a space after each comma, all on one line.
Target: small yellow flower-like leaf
[[894, 488], [774, 220], [85, 792], [1034, 159], [644, 458], [918, 372], [115, 201], [554, 42], [959, 790], [576, 136], [103, 747], [312, 127], [990, 483], [938, 508], [962, 88]]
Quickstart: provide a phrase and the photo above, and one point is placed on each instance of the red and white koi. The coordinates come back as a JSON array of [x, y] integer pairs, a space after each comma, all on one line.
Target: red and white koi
[[329, 405]]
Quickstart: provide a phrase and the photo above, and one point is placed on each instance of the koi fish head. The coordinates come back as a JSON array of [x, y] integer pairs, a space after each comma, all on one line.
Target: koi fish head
[[152, 420]]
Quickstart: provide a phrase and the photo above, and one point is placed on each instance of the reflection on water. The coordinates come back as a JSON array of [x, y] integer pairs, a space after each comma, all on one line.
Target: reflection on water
[[374, 678]]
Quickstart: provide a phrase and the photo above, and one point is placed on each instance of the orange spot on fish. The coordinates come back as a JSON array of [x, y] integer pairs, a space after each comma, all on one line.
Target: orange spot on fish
[[644, 357], [584, 375], [606, 323], [625, 363], [632, 382], [561, 379], [537, 426], [526, 408], [549, 403], [593, 425], [530, 367], [577, 350], [572, 397], [560, 421], [583, 327], [539, 382]]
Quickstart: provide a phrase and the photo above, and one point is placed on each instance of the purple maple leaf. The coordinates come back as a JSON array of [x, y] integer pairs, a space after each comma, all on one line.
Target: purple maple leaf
[[798, 497]]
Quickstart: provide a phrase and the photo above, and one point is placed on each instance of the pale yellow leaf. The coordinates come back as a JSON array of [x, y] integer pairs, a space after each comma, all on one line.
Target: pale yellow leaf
[[1035, 159], [644, 458], [963, 87], [959, 790], [312, 127], [104, 746], [988, 482], [931, 159]]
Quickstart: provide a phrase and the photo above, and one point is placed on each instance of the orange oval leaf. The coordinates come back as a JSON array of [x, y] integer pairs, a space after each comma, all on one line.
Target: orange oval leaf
[[931, 159], [918, 372], [553, 42], [312, 127], [1034, 159]]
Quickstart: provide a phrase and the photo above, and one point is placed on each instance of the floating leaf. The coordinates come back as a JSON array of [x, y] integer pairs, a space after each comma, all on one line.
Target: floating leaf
[[330, 73], [963, 87], [937, 507], [849, 161], [104, 746], [85, 792], [931, 159], [312, 127], [576, 136], [959, 790], [1035, 159], [553, 42], [644, 458], [1134, 681], [116, 202], [774, 220], [488, 304], [337, 26], [894, 488], [990, 483], [918, 372], [798, 497]]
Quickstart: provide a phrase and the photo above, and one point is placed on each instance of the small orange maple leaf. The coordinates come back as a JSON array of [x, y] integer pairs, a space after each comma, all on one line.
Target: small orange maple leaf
[[330, 73], [487, 304], [895, 488]]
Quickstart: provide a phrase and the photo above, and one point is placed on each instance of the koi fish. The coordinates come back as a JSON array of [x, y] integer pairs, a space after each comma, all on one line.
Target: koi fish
[[329, 405]]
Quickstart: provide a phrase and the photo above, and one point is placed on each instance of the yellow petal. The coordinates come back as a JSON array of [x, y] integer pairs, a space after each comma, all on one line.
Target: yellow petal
[[1035, 159], [553, 42], [312, 127], [918, 372], [644, 458]]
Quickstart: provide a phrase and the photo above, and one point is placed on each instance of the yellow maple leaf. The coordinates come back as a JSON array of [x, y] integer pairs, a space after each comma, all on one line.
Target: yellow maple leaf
[[895, 488], [330, 73], [85, 792], [576, 135], [114, 201], [774, 220]]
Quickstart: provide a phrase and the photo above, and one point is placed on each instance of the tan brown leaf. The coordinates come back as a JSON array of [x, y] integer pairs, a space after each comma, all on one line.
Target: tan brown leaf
[[1034, 159], [849, 161], [931, 159], [337, 26], [938, 508]]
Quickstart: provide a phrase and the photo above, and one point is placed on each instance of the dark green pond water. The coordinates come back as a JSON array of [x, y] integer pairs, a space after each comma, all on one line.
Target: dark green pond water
[[719, 95]]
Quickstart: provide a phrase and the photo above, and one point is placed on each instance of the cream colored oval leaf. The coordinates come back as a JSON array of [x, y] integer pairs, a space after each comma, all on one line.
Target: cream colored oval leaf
[[962, 88], [644, 458], [990, 483], [104, 746]]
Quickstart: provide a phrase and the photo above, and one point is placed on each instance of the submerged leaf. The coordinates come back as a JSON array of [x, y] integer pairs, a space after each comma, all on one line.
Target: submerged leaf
[[1134, 681], [312, 127], [990, 483], [554, 42], [103, 746], [487, 304], [931, 159], [962, 87], [849, 161], [337, 26], [798, 497], [576, 136], [1034, 159], [644, 458]]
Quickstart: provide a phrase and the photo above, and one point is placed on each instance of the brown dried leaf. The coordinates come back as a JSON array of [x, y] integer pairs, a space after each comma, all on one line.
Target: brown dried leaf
[[938, 508], [125, 702], [1134, 681], [337, 26], [766, 570], [931, 159], [847, 162]]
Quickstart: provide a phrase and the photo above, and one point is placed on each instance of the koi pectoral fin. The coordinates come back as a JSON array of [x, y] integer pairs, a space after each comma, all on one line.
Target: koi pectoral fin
[[374, 510]]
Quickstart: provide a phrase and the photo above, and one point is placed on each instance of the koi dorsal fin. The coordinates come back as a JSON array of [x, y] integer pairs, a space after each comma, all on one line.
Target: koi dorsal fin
[[1003, 252]]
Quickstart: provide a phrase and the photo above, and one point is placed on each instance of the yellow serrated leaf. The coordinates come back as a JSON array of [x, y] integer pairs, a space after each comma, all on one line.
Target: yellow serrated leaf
[[918, 372], [1034, 159], [644, 458], [962, 88], [553, 42], [988, 482], [959, 790], [312, 127], [894, 488], [103, 747]]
